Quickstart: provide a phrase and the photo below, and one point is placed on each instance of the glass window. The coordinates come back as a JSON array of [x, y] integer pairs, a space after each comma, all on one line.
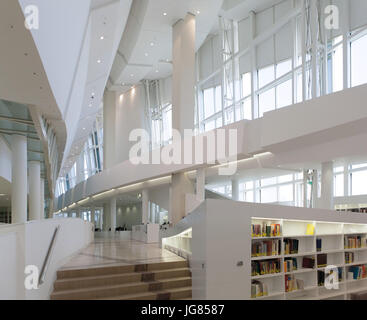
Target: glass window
[[338, 68], [359, 166], [286, 178], [286, 193], [265, 76], [283, 68], [246, 85], [284, 94], [209, 105], [268, 181], [247, 109], [218, 98], [359, 183], [266, 101], [359, 61], [269, 195], [339, 185]]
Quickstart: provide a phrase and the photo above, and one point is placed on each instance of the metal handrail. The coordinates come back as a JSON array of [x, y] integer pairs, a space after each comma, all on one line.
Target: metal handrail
[[46, 262]]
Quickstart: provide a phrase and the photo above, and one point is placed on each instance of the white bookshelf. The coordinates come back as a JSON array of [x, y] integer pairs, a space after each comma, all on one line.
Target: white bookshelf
[[332, 235]]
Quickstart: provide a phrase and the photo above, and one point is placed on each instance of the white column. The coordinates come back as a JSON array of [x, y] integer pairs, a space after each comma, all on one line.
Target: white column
[[34, 190], [305, 175], [180, 186], [200, 184], [42, 199], [113, 213], [92, 214], [109, 129], [19, 179], [235, 190], [327, 185], [183, 73], [145, 206]]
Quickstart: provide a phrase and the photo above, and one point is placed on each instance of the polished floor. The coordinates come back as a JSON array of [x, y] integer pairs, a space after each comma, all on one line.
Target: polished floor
[[109, 252]]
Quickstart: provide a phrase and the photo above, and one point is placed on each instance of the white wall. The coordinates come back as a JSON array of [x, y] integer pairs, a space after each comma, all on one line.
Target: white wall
[[131, 215], [27, 244]]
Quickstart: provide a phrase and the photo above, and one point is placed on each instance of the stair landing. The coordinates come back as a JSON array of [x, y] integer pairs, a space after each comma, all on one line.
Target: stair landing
[[123, 270]]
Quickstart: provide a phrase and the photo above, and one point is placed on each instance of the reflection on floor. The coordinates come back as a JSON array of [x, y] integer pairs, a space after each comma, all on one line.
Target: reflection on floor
[[107, 252], [123, 270]]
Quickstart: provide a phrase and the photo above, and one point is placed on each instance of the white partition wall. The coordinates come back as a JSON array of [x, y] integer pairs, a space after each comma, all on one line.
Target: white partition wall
[[228, 264]]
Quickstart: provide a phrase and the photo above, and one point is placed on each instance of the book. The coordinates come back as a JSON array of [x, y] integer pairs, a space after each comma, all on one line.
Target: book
[[318, 245], [259, 268], [265, 230], [291, 246], [258, 289], [266, 248], [310, 231], [321, 260], [308, 262], [349, 257]]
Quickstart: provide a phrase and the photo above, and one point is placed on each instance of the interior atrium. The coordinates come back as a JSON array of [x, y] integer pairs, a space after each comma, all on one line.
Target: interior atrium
[[183, 149]]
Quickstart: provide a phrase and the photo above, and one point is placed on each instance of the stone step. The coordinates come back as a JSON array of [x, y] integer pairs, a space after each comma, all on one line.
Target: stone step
[[184, 293], [115, 279], [121, 290], [118, 269]]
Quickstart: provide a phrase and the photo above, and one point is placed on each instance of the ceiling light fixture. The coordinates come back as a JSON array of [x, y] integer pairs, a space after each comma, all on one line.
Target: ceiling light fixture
[[152, 44], [164, 13], [99, 61], [146, 54], [198, 12], [102, 37]]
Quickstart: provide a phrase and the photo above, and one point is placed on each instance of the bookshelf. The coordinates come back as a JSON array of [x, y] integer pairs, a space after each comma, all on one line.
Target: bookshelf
[[343, 245]]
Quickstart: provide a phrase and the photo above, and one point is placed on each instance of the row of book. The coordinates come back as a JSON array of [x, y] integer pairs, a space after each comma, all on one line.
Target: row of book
[[293, 284], [318, 245], [349, 257], [321, 277], [258, 289], [291, 246], [259, 268], [355, 242], [290, 264], [357, 272], [265, 230], [266, 248]]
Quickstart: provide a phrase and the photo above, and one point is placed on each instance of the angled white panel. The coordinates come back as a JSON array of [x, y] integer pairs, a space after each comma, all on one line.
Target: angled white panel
[[265, 53], [264, 20], [244, 33], [284, 43], [282, 9], [358, 13], [206, 59], [245, 63]]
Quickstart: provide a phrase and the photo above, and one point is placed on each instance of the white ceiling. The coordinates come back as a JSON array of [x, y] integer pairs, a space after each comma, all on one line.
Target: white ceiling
[[107, 19], [145, 51]]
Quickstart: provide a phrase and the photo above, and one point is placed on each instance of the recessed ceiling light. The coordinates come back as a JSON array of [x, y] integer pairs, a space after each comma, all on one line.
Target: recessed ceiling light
[[99, 61], [156, 71], [83, 128], [102, 37], [131, 75], [146, 54], [164, 13], [152, 44], [90, 105], [198, 12]]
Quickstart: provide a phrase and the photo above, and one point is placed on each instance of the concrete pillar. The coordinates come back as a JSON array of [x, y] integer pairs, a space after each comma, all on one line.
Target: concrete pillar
[[200, 184], [145, 206], [180, 186], [19, 179], [327, 186], [109, 129], [92, 214], [34, 190], [235, 190], [183, 73], [42, 199], [113, 213]]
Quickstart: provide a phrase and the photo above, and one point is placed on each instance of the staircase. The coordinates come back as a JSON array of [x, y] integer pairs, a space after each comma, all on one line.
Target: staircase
[[155, 281]]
